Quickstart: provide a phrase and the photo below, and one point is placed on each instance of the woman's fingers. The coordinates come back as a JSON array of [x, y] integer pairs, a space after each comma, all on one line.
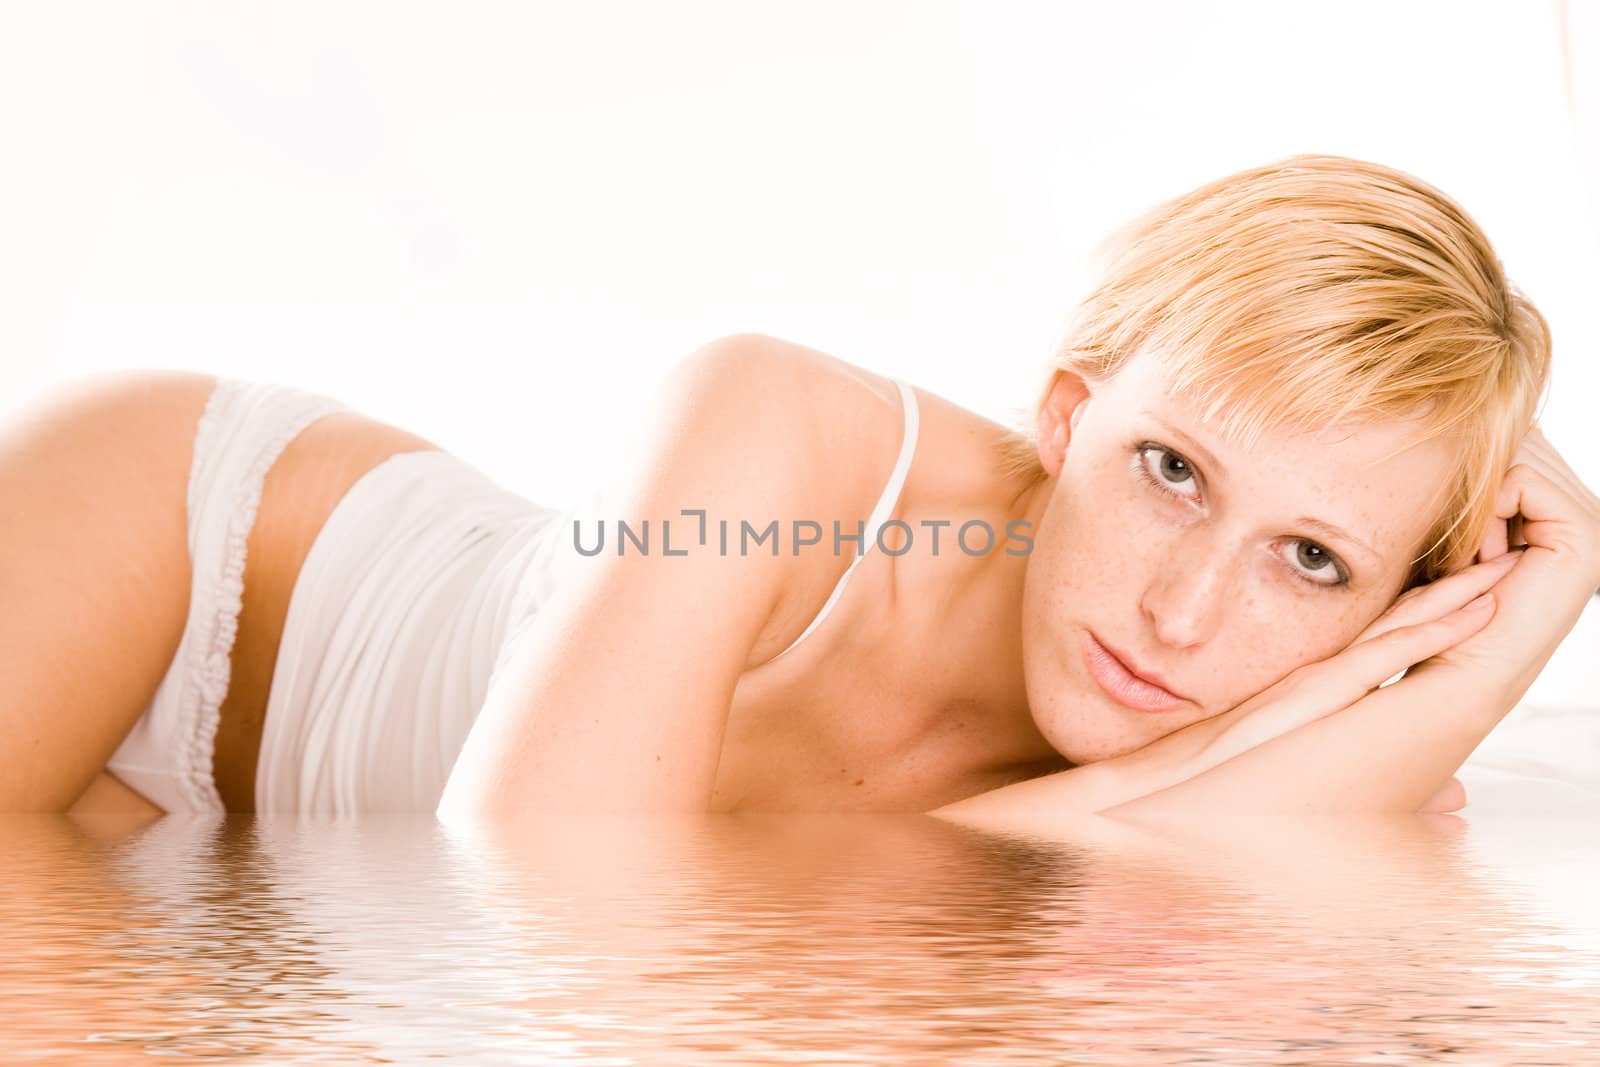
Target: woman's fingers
[[1496, 541], [1541, 490], [1366, 664], [1439, 597], [1539, 453], [1499, 537], [1552, 515], [1330, 685]]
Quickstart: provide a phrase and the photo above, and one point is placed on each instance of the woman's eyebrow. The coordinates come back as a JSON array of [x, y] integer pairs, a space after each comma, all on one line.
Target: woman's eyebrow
[[1334, 533], [1326, 529], [1194, 446]]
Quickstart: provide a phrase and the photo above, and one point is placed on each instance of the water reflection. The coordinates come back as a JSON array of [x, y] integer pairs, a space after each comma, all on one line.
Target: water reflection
[[744, 939]]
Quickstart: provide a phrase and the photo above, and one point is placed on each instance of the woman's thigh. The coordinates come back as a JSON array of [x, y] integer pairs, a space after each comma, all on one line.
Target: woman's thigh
[[94, 572]]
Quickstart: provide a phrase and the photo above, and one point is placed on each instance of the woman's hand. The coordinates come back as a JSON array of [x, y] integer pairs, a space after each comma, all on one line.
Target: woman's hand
[[1541, 599], [1422, 623]]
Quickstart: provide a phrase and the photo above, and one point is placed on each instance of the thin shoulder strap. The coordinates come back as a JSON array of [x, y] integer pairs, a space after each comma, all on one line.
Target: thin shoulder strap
[[880, 511]]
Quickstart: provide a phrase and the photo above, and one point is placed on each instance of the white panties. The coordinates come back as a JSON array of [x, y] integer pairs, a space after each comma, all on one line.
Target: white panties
[[167, 754], [396, 622]]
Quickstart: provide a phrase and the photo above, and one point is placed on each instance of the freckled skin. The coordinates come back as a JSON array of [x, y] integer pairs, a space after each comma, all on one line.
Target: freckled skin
[[1201, 587]]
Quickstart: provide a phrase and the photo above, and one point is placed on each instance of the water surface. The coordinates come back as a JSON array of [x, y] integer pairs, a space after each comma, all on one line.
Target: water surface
[[750, 940]]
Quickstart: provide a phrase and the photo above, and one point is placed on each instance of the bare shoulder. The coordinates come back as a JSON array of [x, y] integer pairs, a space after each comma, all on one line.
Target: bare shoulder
[[834, 430], [837, 426], [803, 385], [755, 429], [738, 430], [825, 430]]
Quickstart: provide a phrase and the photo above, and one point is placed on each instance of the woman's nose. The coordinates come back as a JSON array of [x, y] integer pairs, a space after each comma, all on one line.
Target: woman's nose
[[1185, 600]]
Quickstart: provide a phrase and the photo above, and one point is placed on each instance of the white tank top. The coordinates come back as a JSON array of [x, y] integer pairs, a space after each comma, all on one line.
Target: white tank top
[[880, 511]]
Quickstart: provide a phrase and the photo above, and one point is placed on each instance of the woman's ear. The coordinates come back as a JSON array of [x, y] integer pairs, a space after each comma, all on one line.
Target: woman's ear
[[1064, 404]]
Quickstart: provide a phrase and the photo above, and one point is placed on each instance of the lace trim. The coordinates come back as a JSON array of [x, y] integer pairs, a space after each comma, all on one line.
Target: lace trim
[[220, 594]]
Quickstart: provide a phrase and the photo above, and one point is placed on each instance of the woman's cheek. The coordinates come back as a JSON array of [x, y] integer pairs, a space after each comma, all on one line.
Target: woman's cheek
[[1291, 632], [1113, 525]]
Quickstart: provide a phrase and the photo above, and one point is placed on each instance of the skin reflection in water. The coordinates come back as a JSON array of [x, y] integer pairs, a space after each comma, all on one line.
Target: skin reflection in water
[[1334, 939], [751, 939], [905, 939], [741, 938], [125, 939]]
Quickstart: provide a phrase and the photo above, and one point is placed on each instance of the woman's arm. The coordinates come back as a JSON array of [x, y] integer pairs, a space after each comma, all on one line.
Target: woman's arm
[[1388, 752], [615, 697], [1421, 624]]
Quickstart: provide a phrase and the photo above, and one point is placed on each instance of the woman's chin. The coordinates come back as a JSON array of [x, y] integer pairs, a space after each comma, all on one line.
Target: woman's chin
[[1092, 734], [1086, 738]]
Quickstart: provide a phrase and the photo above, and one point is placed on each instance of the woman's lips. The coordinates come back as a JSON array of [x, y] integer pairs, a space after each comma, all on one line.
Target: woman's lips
[[1121, 685]]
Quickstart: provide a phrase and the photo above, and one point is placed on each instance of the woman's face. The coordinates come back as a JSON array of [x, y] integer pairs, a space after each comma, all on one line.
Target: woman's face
[[1201, 564]]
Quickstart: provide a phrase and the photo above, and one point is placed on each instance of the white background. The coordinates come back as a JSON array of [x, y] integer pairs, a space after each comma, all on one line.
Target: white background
[[499, 224]]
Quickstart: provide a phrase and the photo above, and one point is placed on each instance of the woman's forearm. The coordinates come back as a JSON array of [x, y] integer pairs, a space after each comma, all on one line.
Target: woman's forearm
[[1042, 803], [1388, 752], [1391, 749]]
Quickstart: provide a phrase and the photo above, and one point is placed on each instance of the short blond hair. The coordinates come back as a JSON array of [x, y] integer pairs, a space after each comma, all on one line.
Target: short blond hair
[[1320, 291]]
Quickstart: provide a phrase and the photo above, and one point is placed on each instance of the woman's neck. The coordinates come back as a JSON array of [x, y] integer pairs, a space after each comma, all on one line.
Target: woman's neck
[[973, 659]]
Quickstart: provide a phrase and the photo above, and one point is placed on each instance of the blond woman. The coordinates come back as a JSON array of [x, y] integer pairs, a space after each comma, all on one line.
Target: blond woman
[[1286, 451]]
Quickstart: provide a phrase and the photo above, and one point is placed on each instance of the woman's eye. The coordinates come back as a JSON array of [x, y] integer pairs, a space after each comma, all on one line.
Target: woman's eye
[[1169, 471], [1318, 560]]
